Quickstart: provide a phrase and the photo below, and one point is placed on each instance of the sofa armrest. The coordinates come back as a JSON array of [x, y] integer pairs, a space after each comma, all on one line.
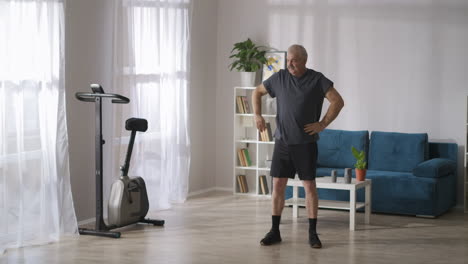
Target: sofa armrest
[[435, 168]]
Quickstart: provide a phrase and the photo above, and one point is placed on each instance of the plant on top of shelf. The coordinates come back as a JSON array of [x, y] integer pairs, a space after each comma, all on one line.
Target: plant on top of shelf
[[360, 164], [247, 56]]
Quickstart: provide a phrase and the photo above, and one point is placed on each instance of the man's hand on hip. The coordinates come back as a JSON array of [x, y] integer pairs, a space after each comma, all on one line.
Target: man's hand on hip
[[260, 122], [314, 128]]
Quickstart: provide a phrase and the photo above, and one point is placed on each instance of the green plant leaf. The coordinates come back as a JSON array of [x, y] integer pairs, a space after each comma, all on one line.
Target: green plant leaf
[[360, 157], [234, 64], [247, 56], [355, 152]]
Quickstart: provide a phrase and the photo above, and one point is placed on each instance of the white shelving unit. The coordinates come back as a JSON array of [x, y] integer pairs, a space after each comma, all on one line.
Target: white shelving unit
[[466, 158], [247, 136]]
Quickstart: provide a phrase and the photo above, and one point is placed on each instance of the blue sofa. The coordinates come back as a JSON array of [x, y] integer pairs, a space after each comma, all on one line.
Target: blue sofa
[[409, 174]]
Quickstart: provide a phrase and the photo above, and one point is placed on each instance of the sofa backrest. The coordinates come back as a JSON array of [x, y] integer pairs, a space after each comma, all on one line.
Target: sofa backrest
[[334, 147], [443, 150], [391, 151]]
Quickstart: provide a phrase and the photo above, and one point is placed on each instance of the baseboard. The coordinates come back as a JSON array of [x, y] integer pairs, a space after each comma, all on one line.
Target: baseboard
[[200, 192], [223, 189], [209, 190], [87, 221]]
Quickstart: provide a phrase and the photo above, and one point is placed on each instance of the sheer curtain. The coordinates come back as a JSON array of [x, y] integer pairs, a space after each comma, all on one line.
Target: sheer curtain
[[151, 45], [36, 204]]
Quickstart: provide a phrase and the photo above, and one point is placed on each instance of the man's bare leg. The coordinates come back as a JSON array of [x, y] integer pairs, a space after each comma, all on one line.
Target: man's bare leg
[[310, 188], [279, 186]]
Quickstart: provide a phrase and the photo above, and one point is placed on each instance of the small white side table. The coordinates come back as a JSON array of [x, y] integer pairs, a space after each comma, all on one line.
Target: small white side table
[[325, 183]]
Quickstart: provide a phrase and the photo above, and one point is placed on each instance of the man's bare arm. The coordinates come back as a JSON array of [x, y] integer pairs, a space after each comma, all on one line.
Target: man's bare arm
[[336, 104], [257, 106]]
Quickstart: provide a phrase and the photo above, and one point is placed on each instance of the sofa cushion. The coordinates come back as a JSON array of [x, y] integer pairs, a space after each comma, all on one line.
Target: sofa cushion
[[402, 152], [435, 168], [378, 174], [334, 147], [404, 185]]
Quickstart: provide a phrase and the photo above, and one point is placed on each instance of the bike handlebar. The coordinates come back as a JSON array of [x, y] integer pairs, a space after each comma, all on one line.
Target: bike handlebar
[[99, 92], [91, 97]]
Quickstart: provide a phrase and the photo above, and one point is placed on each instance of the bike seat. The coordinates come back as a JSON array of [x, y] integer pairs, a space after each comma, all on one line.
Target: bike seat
[[136, 124]]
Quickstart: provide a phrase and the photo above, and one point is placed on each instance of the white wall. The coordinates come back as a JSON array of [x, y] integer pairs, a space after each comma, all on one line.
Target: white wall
[[400, 65], [202, 95], [88, 60]]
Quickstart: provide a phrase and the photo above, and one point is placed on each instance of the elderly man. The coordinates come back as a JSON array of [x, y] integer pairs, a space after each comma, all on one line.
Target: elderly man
[[300, 93]]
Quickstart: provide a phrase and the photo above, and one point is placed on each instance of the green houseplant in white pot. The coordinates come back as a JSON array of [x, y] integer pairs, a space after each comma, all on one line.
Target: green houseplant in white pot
[[248, 59], [360, 164]]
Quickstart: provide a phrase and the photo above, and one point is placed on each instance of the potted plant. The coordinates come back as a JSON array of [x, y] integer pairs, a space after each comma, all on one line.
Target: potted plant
[[248, 59], [360, 165]]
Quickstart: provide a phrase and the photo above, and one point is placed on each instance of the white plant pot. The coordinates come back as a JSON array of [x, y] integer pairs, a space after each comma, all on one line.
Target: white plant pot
[[248, 79]]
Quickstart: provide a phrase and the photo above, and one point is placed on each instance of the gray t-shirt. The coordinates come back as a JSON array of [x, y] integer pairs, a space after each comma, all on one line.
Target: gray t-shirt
[[299, 102]]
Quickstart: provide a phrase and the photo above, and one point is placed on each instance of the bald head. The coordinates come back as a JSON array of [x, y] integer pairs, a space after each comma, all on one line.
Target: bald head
[[299, 51]]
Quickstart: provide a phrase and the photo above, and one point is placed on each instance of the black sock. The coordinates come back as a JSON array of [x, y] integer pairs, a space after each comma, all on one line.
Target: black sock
[[312, 226], [275, 220]]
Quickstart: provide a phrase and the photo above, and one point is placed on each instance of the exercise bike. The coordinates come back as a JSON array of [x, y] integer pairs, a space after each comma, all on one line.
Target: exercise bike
[[128, 201]]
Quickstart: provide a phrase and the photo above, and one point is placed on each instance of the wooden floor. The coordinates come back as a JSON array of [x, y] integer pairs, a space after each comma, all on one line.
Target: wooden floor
[[221, 228]]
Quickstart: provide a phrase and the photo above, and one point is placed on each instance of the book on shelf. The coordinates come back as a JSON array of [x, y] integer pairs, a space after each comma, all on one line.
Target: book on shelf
[[248, 161], [266, 134], [240, 155], [263, 184], [242, 184], [240, 105], [239, 184], [269, 134], [244, 157], [261, 135], [246, 104]]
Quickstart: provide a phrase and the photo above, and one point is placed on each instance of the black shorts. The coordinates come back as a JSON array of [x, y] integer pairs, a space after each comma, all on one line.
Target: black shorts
[[291, 159]]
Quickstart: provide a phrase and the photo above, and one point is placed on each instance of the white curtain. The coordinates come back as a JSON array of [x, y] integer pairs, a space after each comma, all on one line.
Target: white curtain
[[151, 51], [35, 197]]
